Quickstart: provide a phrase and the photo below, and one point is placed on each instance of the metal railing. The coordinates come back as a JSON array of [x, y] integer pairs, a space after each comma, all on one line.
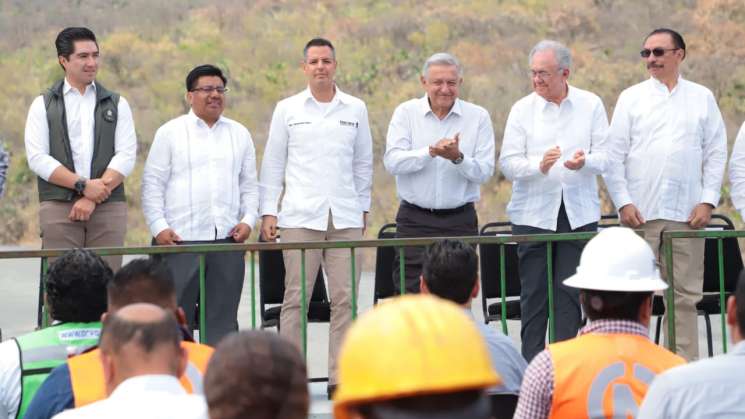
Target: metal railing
[[201, 251], [667, 248]]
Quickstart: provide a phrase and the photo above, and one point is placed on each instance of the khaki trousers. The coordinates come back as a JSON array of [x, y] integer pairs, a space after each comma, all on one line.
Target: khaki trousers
[[688, 268], [106, 228], [337, 266]]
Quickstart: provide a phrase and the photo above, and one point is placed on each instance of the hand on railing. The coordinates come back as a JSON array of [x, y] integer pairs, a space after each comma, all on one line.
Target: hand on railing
[[240, 232], [167, 237]]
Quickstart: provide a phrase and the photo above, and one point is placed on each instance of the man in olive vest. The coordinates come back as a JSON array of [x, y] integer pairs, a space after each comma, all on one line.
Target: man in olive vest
[[76, 298], [606, 370], [80, 142], [80, 381]]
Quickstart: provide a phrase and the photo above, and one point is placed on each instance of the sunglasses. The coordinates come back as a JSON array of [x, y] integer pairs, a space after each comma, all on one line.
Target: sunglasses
[[657, 52]]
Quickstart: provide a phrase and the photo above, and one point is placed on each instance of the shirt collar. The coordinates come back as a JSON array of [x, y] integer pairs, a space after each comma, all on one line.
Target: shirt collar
[[660, 87], [338, 96], [612, 326], [424, 107], [67, 87], [199, 121], [570, 98], [146, 383]]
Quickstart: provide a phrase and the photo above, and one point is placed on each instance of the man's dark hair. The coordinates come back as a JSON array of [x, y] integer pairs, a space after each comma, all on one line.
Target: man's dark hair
[[450, 270], [65, 41], [469, 404], [740, 301], [318, 42], [76, 286], [246, 361], [678, 41], [142, 281], [613, 304], [202, 71], [117, 332]]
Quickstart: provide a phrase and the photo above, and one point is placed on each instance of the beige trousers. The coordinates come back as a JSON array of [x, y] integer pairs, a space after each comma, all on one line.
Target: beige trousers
[[688, 269], [106, 228], [337, 266]]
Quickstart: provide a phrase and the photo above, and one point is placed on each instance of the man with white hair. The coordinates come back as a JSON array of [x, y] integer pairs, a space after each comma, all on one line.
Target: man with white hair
[[552, 152], [441, 149]]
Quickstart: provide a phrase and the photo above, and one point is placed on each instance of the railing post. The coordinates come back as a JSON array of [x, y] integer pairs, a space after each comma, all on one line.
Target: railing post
[[253, 290], [502, 288], [44, 320], [401, 271], [550, 276], [667, 247], [202, 299], [354, 285], [303, 306], [722, 300]]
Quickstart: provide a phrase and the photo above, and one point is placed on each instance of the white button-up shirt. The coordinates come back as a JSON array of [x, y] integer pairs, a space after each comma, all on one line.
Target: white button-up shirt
[[144, 397], [668, 149], [200, 181], [737, 171], [536, 125], [435, 182], [10, 379], [80, 129], [324, 156]]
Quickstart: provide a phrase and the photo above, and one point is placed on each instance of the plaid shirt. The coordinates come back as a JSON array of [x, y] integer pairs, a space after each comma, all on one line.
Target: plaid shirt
[[537, 391], [3, 168]]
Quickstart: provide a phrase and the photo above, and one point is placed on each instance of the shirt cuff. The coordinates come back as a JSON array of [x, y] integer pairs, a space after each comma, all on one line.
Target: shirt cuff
[[121, 167], [591, 164], [157, 226], [46, 171], [250, 220], [709, 196]]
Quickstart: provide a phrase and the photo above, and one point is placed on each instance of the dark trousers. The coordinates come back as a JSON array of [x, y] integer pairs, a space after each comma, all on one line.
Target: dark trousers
[[224, 275], [534, 282], [412, 221]]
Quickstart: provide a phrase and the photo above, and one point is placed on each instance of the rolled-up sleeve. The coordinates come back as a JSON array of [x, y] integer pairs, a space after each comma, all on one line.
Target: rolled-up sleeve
[[480, 167], [125, 140], [36, 140]]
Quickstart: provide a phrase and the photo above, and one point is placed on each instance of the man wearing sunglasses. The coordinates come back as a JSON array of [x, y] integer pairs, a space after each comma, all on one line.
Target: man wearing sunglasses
[[668, 146], [199, 187]]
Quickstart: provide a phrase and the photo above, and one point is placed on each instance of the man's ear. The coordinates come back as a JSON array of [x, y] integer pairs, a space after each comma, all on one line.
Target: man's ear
[[476, 287], [423, 285], [104, 315], [109, 372], [732, 311], [180, 316], [182, 362]]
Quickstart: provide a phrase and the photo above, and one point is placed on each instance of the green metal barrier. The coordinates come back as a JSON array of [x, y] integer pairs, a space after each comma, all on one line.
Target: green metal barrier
[[667, 247], [201, 250]]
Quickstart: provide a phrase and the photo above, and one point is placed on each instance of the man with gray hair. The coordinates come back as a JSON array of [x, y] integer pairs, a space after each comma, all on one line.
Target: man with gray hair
[[552, 152], [441, 149]]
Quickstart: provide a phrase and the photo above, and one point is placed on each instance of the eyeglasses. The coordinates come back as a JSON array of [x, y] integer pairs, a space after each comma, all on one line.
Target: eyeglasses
[[543, 75], [210, 89], [657, 52]]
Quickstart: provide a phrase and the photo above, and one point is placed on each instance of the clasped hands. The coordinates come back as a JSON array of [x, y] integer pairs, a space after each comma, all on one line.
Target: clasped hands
[[447, 148], [96, 191]]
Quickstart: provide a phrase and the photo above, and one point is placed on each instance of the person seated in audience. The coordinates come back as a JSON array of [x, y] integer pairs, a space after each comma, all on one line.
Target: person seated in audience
[[415, 356], [75, 299], [710, 388], [256, 374], [606, 370], [80, 381], [142, 358]]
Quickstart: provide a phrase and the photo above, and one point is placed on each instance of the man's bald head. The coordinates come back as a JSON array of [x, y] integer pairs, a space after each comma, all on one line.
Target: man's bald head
[[140, 339]]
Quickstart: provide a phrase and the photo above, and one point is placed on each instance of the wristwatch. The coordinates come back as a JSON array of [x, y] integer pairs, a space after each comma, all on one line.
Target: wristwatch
[[80, 185], [459, 160]]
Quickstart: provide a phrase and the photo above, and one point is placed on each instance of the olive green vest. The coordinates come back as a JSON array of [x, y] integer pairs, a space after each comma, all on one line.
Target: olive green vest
[[105, 118], [43, 350]]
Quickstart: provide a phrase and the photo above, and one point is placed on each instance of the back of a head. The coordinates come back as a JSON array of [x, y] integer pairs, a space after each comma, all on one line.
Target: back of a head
[[142, 338], [409, 349], [256, 374], [450, 270], [142, 281], [76, 286]]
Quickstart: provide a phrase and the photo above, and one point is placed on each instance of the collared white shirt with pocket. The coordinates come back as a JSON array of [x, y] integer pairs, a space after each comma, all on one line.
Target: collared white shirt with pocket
[[323, 155], [200, 181], [668, 148], [535, 126], [80, 129], [435, 182]]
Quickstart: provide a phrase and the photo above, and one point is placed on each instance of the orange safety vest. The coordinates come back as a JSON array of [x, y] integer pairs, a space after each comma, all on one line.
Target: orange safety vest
[[88, 386], [605, 375]]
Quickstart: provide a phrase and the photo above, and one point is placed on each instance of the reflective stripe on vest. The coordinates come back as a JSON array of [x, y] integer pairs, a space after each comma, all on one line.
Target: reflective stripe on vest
[[43, 350], [87, 380], [605, 375]]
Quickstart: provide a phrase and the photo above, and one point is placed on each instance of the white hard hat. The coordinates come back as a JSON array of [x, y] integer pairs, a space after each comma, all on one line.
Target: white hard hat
[[617, 259]]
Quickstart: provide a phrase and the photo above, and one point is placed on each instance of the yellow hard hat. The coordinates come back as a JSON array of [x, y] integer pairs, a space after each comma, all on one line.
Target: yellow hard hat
[[410, 346]]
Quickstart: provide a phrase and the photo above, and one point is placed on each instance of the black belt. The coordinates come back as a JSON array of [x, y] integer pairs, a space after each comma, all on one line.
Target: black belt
[[445, 211]]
